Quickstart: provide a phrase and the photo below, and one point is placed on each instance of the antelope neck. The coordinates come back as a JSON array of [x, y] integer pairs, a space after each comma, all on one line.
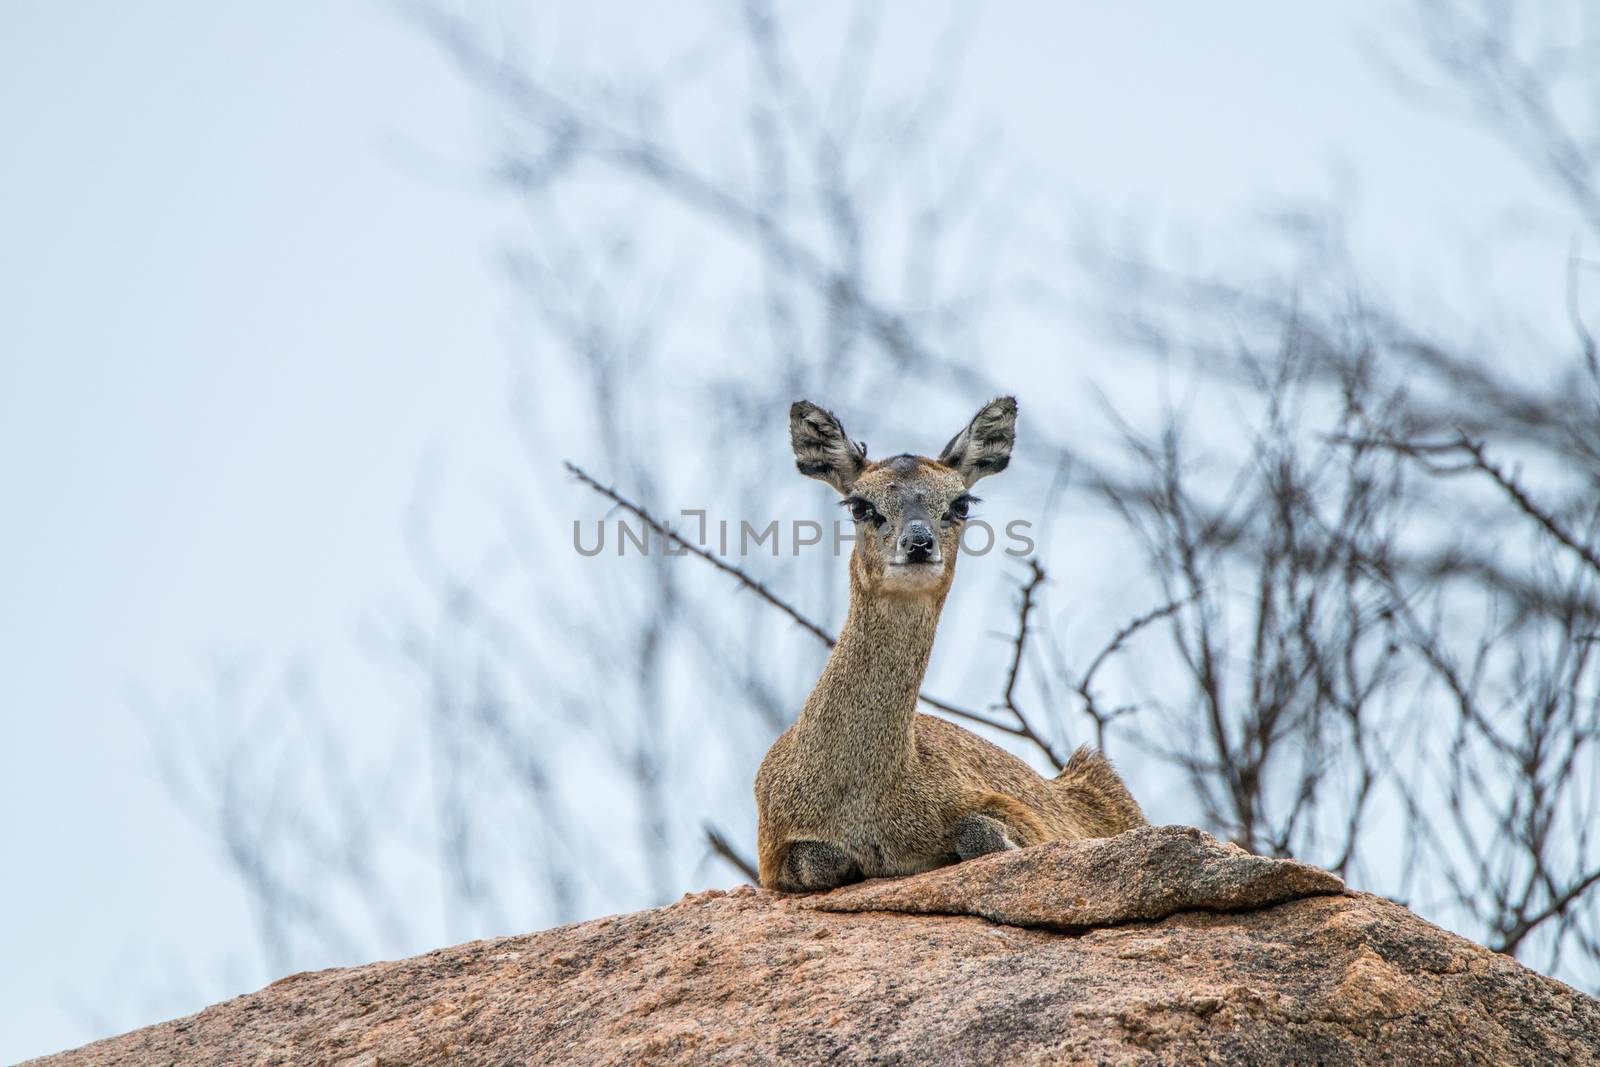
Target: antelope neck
[[865, 702]]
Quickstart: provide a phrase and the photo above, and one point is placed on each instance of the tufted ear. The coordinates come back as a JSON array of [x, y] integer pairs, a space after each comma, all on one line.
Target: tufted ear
[[984, 447], [822, 449]]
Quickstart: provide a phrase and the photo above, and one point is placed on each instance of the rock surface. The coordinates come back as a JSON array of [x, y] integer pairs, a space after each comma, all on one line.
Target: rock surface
[[1158, 946]]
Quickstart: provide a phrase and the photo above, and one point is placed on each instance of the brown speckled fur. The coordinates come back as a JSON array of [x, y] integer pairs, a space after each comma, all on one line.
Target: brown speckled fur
[[860, 770]]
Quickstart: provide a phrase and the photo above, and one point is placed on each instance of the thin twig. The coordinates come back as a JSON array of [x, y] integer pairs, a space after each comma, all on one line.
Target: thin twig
[[760, 589], [752, 584], [1526, 505], [977, 717], [724, 848], [1018, 646], [1122, 636], [1586, 342], [1084, 687], [1479, 461], [1558, 906]]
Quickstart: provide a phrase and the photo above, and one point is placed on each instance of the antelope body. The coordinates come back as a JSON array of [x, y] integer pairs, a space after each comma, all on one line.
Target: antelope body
[[862, 785]]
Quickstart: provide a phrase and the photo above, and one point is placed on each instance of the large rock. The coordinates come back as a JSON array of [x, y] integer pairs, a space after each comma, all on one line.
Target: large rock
[[1158, 946]]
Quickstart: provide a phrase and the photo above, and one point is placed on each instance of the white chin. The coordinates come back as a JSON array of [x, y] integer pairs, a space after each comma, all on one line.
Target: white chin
[[913, 577]]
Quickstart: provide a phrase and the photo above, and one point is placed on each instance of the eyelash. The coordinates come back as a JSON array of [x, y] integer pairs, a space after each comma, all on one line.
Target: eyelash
[[962, 503], [861, 509]]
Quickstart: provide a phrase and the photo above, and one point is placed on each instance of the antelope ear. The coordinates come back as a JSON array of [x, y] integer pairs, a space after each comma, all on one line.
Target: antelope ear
[[984, 447], [822, 449]]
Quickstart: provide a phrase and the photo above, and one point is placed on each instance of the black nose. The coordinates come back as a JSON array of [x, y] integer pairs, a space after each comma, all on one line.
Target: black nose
[[917, 542]]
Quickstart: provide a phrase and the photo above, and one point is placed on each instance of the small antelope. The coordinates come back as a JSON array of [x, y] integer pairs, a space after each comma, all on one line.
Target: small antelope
[[862, 786]]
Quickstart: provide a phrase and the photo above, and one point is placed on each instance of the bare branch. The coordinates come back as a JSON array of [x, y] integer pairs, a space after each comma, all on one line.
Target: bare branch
[[1024, 728], [668, 533], [724, 848], [1525, 504], [766, 594]]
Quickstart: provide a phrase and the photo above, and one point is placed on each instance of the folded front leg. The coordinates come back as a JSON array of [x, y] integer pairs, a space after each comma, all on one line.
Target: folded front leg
[[979, 835], [812, 866]]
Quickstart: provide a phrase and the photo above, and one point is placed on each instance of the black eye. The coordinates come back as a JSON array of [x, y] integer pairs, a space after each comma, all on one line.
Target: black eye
[[959, 507], [861, 509]]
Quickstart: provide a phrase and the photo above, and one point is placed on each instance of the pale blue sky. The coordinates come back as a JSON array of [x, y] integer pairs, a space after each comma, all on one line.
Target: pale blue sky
[[230, 324], [236, 314]]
